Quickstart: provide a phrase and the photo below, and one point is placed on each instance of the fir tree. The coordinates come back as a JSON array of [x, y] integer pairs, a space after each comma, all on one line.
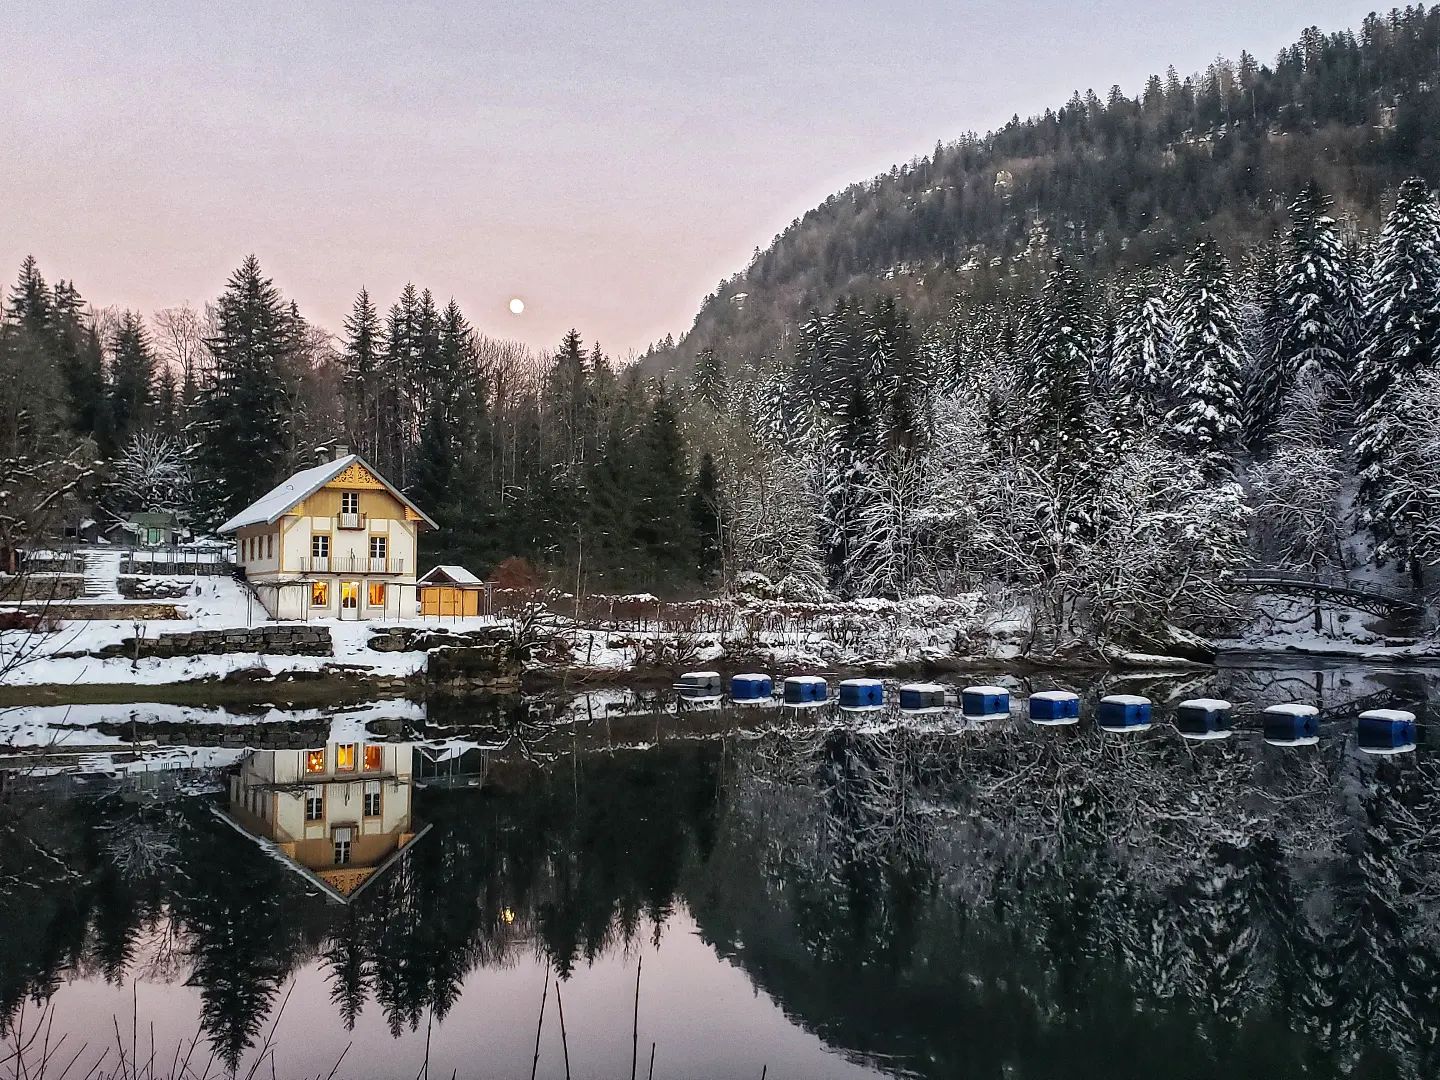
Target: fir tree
[[132, 378], [1402, 315], [1209, 357], [707, 516], [1059, 431], [663, 530], [246, 419], [362, 360], [709, 382], [1142, 354]]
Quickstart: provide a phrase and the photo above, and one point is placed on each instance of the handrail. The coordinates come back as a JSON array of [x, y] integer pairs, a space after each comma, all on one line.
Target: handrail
[[1367, 590]]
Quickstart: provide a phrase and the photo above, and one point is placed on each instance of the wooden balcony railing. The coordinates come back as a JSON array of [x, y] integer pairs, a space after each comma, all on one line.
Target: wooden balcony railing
[[352, 564]]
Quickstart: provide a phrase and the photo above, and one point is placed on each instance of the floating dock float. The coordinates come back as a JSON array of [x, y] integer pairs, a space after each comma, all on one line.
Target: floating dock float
[[1387, 731], [806, 691], [985, 702], [920, 697], [1054, 708], [1125, 713], [700, 686], [862, 695], [751, 688], [1291, 725], [1204, 719]]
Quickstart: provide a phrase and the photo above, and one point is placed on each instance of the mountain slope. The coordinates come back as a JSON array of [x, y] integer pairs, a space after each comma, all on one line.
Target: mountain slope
[[1115, 183]]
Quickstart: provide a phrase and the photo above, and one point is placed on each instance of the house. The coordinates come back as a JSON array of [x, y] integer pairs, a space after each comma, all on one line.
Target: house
[[339, 814], [150, 529], [334, 541], [451, 590]]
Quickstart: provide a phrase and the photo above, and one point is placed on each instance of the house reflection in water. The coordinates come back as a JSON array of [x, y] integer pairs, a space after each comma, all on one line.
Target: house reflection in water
[[338, 814]]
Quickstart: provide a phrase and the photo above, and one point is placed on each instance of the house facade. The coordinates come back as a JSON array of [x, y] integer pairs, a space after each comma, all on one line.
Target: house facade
[[339, 813], [335, 541]]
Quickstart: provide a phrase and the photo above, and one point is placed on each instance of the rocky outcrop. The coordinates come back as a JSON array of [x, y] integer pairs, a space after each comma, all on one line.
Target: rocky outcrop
[[492, 668], [425, 638]]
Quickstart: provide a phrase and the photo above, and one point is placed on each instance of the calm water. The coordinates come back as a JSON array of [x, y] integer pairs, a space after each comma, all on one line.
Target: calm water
[[813, 897]]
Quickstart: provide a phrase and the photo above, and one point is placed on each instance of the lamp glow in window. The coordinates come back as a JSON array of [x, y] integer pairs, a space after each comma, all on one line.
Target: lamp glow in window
[[373, 757], [319, 594], [345, 757], [314, 761], [377, 594]]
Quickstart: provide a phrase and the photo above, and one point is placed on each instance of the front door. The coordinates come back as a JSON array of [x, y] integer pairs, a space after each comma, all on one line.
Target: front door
[[350, 599]]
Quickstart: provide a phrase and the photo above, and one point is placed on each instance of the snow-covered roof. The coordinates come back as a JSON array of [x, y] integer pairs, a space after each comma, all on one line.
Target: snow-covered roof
[[276, 502], [449, 574]]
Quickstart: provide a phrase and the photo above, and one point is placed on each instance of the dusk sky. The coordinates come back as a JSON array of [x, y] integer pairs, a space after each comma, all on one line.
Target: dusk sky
[[608, 163]]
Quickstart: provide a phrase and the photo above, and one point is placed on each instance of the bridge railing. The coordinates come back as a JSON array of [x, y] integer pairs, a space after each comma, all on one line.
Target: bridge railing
[[1261, 575]]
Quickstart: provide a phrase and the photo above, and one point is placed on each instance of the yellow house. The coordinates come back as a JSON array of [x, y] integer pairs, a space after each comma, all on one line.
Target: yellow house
[[334, 541], [339, 814]]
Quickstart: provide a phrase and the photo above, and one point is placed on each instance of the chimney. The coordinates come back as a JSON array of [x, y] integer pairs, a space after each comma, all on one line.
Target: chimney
[[342, 449]]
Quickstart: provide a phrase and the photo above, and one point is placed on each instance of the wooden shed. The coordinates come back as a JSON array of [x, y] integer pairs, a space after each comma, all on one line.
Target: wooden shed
[[450, 591]]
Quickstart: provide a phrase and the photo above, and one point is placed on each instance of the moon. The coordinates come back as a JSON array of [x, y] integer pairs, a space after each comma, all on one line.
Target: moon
[[517, 306]]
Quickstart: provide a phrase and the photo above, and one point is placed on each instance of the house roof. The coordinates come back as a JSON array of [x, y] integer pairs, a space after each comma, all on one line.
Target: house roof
[[449, 575], [279, 500]]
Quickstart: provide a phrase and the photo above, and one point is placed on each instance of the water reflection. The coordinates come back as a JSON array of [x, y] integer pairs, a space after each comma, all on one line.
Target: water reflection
[[929, 900], [339, 814]]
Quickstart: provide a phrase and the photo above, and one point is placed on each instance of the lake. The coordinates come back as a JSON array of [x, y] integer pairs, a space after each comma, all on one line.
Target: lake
[[738, 891]]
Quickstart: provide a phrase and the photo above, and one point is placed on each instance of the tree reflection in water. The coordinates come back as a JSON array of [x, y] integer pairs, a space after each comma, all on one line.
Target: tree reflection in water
[[939, 902]]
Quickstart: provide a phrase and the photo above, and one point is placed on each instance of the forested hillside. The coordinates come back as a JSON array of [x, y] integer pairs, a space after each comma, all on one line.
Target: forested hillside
[[1115, 182]]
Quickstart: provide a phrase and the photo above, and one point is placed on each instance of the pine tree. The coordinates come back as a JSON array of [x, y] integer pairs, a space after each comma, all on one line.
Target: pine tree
[[708, 520], [1209, 357], [132, 378], [1316, 314], [81, 361], [710, 382], [849, 463], [1402, 317], [362, 359], [1143, 353], [1058, 427], [245, 411], [395, 436], [664, 531]]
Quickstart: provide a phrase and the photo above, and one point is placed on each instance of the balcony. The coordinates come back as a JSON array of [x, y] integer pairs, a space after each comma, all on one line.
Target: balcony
[[352, 564], [350, 521]]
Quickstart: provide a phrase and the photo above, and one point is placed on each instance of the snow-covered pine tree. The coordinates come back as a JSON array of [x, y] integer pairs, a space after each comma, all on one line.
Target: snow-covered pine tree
[[1058, 430], [849, 461], [709, 382], [1209, 357], [245, 428], [1402, 320], [1316, 316], [1142, 353]]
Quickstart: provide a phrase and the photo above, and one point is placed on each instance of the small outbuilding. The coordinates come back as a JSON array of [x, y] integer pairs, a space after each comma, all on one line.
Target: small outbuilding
[[450, 591]]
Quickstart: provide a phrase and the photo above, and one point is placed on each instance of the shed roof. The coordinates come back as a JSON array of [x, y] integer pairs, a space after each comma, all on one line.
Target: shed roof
[[450, 574], [278, 501]]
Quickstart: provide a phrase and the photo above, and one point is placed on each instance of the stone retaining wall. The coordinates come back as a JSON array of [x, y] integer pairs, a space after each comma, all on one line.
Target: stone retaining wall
[[41, 587], [282, 640]]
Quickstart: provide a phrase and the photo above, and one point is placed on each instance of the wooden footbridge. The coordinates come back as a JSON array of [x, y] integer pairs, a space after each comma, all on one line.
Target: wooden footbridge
[[1361, 595]]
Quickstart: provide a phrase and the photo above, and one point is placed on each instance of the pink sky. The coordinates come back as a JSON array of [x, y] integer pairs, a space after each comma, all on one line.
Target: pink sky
[[608, 163]]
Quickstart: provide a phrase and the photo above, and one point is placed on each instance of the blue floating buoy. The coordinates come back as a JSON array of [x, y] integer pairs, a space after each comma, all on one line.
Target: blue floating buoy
[[1054, 708], [1204, 719], [751, 688], [1291, 725], [806, 691], [985, 702], [1387, 731], [922, 697], [699, 686], [1124, 712], [862, 695]]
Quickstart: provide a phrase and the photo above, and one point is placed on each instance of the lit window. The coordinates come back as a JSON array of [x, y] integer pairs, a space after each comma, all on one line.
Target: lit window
[[345, 757], [373, 757], [372, 798], [349, 502], [314, 761], [349, 595], [314, 804], [342, 852], [377, 594], [377, 547], [319, 594], [320, 546]]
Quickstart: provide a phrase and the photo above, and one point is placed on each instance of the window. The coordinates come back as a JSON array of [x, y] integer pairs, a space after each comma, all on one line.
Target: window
[[349, 502], [314, 761], [152, 536], [319, 594], [374, 757], [345, 757], [372, 798], [377, 594], [270, 546], [349, 595], [342, 851], [314, 804], [320, 546], [377, 547]]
